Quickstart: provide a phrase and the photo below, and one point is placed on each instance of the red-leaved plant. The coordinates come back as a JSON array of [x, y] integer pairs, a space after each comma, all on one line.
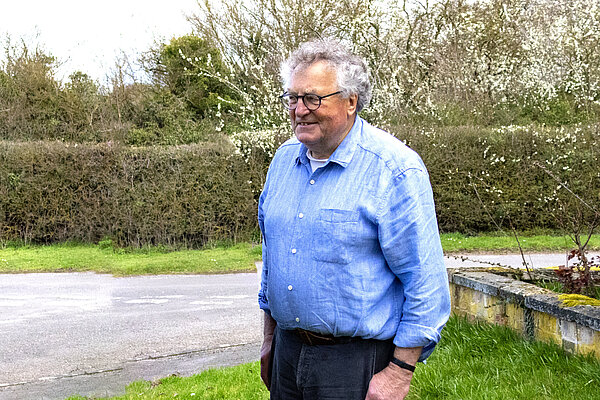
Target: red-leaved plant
[[577, 278]]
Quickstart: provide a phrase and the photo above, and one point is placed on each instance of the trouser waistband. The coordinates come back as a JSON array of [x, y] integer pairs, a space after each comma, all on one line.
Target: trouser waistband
[[319, 339]]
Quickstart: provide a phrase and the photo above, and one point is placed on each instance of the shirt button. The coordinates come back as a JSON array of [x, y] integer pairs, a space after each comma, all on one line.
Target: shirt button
[[290, 287], [294, 251], [300, 215], [312, 181], [297, 319]]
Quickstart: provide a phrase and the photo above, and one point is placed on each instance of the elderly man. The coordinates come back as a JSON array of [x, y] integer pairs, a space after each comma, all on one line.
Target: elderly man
[[354, 287]]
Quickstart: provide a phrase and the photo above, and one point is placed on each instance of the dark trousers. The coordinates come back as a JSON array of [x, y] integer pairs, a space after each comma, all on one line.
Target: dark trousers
[[323, 372]]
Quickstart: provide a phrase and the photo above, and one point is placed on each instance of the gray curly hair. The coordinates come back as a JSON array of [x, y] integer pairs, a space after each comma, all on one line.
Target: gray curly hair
[[351, 70]]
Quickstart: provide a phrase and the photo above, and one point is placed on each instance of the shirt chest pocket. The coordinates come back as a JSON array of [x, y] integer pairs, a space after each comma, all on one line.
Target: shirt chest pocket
[[335, 235]]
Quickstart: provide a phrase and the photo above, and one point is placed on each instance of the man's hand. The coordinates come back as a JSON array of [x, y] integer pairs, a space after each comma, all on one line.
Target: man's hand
[[391, 383], [265, 360], [266, 348]]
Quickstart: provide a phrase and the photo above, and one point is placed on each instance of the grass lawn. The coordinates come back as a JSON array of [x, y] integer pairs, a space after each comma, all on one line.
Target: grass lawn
[[457, 243], [119, 262], [237, 258], [472, 362]]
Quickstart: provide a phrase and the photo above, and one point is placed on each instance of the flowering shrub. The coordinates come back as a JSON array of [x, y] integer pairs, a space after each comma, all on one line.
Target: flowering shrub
[[448, 61], [257, 147]]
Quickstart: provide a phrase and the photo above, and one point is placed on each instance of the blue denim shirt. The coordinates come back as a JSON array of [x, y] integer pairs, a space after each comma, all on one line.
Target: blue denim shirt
[[353, 249]]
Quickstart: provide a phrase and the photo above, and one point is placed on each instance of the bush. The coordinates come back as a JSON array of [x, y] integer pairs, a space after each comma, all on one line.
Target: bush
[[490, 178], [484, 179], [194, 72], [177, 196]]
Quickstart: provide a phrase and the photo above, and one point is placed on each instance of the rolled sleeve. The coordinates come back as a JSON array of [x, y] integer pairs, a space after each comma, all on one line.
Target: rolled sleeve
[[263, 299], [410, 241]]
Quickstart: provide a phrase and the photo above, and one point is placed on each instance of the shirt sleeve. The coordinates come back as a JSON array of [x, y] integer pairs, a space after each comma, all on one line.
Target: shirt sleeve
[[263, 299], [409, 238]]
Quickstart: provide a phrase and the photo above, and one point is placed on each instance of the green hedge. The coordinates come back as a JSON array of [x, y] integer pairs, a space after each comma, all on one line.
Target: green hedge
[[181, 195], [483, 179], [489, 178]]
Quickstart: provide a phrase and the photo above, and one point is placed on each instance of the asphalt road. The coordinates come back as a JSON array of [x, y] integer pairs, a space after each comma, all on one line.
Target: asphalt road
[[89, 334]]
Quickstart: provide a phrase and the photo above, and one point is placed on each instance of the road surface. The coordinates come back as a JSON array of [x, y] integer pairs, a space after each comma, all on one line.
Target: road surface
[[90, 334]]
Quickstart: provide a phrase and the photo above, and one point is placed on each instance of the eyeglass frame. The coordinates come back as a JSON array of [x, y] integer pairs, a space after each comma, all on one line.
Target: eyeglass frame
[[303, 97]]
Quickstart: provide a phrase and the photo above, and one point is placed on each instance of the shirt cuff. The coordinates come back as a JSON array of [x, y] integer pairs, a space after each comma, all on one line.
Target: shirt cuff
[[263, 303], [414, 335]]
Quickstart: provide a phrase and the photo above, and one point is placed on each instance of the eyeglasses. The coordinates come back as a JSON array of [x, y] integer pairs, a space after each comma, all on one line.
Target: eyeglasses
[[311, 101]]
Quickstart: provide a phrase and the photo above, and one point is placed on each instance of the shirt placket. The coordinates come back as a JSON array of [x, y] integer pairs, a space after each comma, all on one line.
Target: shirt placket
[[301, 237]]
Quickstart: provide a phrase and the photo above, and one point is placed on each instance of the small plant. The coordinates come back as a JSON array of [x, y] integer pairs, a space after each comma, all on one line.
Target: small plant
[[106, 244], [577, 278]]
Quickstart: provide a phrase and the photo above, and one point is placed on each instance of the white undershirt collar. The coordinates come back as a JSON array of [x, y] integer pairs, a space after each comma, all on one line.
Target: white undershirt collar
[[315, 163]]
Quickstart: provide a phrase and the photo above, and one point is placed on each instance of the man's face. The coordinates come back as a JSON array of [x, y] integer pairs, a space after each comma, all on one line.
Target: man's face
[[323, 129]]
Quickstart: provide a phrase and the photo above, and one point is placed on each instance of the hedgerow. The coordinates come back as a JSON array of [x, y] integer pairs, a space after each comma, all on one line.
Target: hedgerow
[[173, 195], [484, 179]]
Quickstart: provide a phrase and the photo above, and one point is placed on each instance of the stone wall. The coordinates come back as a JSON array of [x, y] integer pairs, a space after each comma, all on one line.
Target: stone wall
[[534, 312]]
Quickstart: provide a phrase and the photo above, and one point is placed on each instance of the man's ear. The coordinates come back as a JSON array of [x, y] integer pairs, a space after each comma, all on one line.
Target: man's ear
[[352, 104]]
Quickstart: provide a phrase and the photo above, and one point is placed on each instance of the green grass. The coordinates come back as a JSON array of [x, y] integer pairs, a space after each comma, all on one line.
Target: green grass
[[456, 243], [480, 361], [558, 287], [103, 258], [241, 382], [472, 362], [81, 258]]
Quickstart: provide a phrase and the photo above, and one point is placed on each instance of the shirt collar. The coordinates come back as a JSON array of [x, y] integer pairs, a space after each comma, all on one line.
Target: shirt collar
[[344, 152]]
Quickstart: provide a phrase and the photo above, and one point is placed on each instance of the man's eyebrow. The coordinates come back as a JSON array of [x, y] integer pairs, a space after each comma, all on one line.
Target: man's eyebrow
[[308, 91]]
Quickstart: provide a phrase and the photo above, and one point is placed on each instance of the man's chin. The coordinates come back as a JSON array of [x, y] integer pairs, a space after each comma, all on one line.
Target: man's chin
[[307, 138]]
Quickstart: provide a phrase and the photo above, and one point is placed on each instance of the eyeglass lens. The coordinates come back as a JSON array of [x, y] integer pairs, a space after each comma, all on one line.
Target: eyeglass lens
[[311, 101]]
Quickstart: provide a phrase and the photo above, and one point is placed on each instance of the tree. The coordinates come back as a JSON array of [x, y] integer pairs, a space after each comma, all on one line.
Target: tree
[[29, 94], [80, 101], [193, 71]]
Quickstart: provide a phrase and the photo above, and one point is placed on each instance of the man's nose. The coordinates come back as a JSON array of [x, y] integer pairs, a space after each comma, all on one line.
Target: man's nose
[[301, 108]]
